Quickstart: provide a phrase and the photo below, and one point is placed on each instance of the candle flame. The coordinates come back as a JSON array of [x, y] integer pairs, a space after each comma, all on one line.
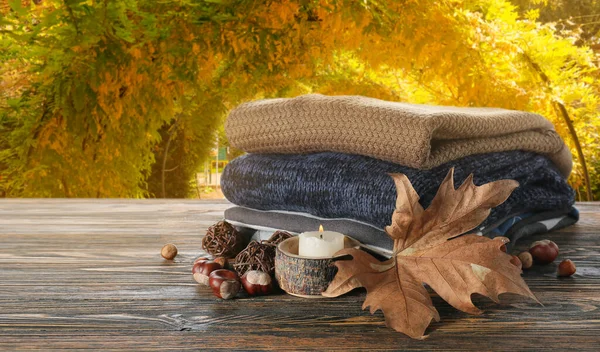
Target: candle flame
[[320, 228]]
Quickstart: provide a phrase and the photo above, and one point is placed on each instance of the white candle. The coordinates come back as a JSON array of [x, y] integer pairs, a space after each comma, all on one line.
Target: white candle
[[320, 244]]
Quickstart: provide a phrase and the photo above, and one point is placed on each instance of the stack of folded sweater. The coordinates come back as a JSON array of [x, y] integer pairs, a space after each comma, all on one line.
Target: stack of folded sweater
[[325, 160]]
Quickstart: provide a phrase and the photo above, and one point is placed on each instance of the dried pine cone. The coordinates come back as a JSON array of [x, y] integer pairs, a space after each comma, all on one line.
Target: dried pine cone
[[223, 240]]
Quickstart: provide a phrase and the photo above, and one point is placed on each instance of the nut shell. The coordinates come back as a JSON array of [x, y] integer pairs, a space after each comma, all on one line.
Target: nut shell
[[566, 268], [224, 283], [544, 251], [526, 260], [257, 283], [202, 270], [168, 251]]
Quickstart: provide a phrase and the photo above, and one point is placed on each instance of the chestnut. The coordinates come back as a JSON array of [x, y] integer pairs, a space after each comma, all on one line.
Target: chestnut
[[225, 283], [257, 283], [566, 268], [544, 251], [168, 251], [200, 259], [202, 269]]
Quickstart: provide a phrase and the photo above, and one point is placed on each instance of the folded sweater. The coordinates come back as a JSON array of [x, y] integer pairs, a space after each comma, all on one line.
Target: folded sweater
[[419, 136], [337, 185], [514, 227]]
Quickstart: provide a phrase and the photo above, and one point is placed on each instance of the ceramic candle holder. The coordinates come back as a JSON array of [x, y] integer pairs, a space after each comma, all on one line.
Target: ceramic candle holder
[[301, 276]]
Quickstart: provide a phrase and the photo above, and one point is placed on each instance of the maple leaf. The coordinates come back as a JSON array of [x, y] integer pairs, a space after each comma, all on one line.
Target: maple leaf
[[429, 248]]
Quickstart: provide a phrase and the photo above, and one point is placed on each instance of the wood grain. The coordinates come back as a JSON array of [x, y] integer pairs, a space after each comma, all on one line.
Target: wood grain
[[87, 274]]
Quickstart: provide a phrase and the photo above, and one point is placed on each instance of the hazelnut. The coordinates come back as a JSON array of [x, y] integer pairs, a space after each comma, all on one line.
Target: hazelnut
[[168, 251], [504, 240], [202, 269], [544, 251], [514, 260], [526, 260], [257, 283], [222, 261], [224, 283], [566, 268]]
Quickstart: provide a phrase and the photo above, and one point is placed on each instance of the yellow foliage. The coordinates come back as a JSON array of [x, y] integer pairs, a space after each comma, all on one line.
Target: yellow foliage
[[152, 62]]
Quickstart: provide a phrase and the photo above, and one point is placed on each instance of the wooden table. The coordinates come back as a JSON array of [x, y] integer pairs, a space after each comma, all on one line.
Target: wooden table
[[88, 274]]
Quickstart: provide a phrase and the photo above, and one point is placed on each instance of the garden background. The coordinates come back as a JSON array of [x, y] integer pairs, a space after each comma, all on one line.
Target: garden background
[[128, 98]]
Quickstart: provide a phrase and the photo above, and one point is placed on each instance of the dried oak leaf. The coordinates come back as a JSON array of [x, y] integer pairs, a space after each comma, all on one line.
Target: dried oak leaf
[[428, 249]]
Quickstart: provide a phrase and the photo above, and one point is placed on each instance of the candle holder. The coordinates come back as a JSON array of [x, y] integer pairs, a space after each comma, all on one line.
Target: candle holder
[[302, 276]]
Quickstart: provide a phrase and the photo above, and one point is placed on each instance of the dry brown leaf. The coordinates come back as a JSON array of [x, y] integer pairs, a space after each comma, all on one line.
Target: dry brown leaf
[[427, 250]]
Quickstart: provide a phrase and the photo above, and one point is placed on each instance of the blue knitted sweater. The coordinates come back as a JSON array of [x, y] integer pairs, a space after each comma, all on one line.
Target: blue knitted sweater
[[336, 185]]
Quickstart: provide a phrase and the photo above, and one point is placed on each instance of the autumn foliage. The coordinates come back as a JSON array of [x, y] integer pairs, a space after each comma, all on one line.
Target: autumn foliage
[[91, 90]]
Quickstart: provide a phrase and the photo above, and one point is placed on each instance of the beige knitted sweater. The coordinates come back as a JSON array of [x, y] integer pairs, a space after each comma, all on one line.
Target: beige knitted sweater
[[419, 136]]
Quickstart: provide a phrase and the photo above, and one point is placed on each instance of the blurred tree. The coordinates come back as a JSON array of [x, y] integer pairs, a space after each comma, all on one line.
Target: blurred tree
[[579, 18], [185, 143], [95, 87]]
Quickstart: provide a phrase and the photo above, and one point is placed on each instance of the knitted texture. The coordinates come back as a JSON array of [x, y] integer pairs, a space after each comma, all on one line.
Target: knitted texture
[[336, 185], [418, 136], [515, 227]]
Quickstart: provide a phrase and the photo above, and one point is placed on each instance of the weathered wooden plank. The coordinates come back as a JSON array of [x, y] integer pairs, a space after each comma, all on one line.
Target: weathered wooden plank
[[88, 274]]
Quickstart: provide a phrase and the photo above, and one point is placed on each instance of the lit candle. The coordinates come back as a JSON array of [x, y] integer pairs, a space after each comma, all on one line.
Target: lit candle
[[320, 244]]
